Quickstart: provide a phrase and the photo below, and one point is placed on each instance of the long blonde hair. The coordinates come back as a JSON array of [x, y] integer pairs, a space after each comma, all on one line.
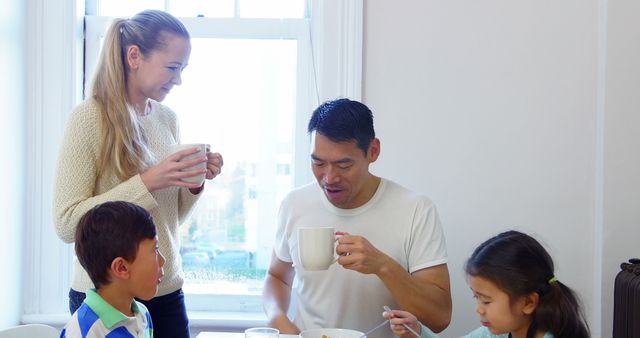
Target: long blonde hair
[[125, 149]]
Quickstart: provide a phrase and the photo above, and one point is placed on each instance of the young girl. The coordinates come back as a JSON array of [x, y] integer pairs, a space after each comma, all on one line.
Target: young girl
[[117, 147], [511, 276]]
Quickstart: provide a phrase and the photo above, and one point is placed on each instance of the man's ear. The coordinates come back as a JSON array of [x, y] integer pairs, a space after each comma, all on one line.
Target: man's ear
[[374, 150], [120, 268], [530, 303], [134, 56]]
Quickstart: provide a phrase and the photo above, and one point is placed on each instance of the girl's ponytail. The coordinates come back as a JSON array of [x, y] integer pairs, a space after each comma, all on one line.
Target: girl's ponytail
[[559, 312], [125, 150]]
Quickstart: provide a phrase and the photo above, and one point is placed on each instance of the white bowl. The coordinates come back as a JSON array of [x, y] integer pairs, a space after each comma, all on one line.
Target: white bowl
[[330, 333]]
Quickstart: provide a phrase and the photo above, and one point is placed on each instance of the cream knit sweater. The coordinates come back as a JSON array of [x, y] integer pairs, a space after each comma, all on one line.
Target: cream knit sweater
[[78, 188]]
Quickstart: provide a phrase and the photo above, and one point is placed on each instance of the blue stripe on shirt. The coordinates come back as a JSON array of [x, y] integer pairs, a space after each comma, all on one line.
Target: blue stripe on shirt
[[86, 318], [120, 332]]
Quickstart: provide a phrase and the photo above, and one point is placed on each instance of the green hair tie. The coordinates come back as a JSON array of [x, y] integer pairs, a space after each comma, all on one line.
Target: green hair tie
[[553, 280]]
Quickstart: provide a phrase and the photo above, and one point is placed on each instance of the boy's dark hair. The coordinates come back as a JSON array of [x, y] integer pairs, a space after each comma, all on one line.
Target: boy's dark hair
[[108, 231], [519, 266], [344, 120]]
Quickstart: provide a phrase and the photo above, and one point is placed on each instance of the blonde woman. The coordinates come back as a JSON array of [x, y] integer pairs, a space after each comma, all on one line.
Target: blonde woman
[[116, 147]]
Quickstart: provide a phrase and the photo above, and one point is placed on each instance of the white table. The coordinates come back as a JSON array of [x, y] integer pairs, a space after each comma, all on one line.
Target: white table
[[234, 335]]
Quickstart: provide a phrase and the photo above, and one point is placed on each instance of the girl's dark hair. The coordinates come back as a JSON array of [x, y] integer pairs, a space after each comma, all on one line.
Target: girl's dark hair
[[108, 231], [344, 120], [519, 266]]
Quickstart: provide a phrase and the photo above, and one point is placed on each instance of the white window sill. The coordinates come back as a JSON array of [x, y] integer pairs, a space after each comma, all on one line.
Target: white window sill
[[226, 321], [54, 319]]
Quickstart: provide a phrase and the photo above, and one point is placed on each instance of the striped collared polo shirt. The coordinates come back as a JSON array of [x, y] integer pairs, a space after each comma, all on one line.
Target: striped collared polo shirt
[[97, 318]]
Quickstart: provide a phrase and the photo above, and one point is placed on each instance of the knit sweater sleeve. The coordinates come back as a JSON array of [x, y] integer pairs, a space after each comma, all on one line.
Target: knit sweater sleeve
[[187, 204], [77, 174]]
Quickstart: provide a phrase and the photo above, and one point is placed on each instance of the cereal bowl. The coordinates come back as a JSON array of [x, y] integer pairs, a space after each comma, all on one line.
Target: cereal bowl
[[331, 333]]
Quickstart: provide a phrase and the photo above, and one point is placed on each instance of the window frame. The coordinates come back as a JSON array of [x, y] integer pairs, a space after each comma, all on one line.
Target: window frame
[[233, 28], [54, 79]]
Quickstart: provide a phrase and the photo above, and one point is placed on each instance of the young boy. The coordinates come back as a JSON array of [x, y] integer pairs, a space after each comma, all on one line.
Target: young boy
[[116, 244]]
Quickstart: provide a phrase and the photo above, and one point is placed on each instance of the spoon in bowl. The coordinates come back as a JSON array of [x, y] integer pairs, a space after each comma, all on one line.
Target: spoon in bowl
[[375, 328]]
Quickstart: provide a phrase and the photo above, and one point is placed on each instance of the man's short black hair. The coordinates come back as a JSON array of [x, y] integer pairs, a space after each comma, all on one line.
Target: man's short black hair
[[344, 120]]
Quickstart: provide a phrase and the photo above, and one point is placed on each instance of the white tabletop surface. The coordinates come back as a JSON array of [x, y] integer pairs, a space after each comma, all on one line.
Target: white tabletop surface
[[234, 335]]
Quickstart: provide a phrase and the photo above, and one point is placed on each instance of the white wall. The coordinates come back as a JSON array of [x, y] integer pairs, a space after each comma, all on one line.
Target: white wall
[[491, 108], [621, 183], [12, 153]]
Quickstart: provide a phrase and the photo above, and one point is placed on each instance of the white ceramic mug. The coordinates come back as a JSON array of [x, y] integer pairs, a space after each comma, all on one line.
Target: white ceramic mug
[[316, 247], [199, 178]]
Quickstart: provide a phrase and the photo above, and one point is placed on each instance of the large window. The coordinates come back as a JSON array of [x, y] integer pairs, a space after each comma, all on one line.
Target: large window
[[239, 96], [252, 82], [242, 92]]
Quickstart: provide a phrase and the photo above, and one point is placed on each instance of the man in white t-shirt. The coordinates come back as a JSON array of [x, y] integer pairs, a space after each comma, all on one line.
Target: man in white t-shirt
[[394, 249]]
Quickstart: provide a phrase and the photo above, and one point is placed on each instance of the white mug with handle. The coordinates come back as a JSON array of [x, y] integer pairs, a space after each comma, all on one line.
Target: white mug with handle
[[316, 247], [199, 178]]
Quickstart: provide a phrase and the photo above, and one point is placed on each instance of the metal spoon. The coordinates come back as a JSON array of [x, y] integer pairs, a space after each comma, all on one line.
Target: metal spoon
[[375, 328], [386, 308]]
